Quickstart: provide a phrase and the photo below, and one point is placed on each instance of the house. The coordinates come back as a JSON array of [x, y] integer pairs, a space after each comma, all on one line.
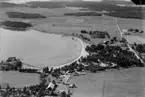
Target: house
[[103, 64], [51, 86]]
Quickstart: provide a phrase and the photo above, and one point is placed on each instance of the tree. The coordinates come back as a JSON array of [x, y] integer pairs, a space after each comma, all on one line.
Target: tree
[[51, 70], [63, 94], [138, 2]]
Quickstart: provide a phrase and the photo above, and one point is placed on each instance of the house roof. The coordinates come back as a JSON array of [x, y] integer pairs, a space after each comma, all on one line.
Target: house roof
[[51, 85]]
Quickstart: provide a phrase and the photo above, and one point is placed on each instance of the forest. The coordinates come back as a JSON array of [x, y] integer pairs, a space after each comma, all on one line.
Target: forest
[[83, 14], [15, 25], [24, 15], [112, 54]]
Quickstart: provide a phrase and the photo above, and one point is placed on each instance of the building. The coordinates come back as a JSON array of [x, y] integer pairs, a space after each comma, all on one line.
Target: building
[[51, 86]]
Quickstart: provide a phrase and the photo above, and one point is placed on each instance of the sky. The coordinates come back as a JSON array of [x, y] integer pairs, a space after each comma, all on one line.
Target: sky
[[23, 1]]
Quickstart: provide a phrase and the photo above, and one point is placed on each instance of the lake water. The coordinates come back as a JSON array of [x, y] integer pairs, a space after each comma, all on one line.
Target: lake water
[[37, 48]]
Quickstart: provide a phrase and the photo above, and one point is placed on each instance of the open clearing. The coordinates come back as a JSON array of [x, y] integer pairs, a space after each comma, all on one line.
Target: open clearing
[[117, 83], [57, 22], [132, 23], [135, 39], [18, 79]]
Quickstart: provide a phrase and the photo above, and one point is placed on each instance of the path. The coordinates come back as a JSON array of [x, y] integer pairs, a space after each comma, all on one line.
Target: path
[[127, 43]]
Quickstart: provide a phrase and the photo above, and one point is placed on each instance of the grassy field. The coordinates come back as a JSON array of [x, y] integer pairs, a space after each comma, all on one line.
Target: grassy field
[[133, 23], [117, 83], [135, 39], [19, 79], [56, 22]]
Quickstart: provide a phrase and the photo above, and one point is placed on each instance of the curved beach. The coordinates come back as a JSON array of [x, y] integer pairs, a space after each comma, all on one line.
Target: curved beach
[[82, 54], [40, 49]]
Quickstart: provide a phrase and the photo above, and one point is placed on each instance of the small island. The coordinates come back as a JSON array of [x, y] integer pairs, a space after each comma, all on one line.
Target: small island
[[15, 25]]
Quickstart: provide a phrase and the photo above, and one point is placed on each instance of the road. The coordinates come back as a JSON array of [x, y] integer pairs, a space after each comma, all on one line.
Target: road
[[127, 43]]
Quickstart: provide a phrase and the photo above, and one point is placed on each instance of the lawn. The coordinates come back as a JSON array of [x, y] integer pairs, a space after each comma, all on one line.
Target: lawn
[[117, 83], [19, 79]]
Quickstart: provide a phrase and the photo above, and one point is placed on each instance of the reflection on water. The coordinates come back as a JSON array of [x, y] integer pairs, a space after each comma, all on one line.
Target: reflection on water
[[38, 48]]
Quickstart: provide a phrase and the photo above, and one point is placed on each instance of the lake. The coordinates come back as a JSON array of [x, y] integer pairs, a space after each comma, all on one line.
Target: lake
[[37, 48]]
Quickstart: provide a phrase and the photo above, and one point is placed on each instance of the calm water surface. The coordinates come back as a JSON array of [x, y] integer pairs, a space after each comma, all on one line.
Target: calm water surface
[[39, 49]]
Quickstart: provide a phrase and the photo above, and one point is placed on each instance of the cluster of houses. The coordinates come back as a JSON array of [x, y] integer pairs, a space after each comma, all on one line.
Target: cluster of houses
[[57, 87], [131, 31], [54, 87]]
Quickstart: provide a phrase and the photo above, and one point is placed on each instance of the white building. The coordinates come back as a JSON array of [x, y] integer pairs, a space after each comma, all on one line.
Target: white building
[[50, 86]]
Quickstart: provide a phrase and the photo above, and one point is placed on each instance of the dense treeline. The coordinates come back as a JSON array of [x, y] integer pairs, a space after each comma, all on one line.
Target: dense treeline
[[44, 4], [133, 30], [96, 34], [11, 64], [6, 5], [133, 13], [112, 54], [27, 70], [138, 2], [38, 90], [83, 14], [24, 15], [139, 47], [15, 25]]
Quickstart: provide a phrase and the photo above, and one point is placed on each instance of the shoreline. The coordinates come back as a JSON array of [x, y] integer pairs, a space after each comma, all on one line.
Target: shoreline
[[83, 46], [81, 51]]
